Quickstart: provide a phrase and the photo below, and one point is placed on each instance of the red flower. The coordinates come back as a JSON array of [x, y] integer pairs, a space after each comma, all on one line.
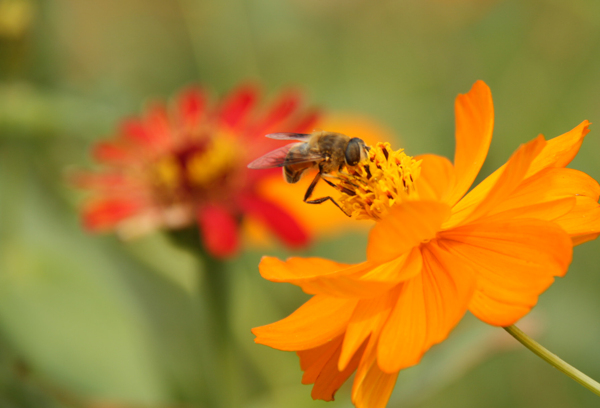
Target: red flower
[[186, 163]]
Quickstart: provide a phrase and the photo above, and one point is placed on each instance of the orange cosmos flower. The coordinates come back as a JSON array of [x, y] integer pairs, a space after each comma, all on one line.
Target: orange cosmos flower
[[435, 253], [186, 164]]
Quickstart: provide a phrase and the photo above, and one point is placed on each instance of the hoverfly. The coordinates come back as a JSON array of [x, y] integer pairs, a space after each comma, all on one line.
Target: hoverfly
[[328, 151]]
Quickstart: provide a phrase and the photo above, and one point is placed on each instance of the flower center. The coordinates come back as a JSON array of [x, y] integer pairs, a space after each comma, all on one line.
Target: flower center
[[371, 187], [196, 170]]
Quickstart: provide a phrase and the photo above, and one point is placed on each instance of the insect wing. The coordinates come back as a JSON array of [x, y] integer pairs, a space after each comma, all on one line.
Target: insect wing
[[275, 158], [298, 156], [303, 137]]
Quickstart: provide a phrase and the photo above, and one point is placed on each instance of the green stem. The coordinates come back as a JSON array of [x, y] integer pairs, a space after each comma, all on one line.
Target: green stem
[[213, 293], [553, 359]]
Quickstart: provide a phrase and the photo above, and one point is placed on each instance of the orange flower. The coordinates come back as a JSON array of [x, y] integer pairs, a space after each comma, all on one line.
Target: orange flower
[[186, 164], [435, 253]]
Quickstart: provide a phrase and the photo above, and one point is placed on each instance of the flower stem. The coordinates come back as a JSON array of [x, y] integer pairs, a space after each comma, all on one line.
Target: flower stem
[[213, 296], [215, 292], [553, 359]]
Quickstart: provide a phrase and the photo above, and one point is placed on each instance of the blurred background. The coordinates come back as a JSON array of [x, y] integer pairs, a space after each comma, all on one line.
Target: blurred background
[[89, 321]]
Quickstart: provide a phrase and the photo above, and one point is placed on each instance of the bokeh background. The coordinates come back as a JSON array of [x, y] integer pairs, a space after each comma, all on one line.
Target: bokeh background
[[88, 321]]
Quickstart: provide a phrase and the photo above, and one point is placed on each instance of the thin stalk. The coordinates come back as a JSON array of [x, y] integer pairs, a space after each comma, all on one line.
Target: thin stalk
[[553, 359], [215, 294], [214, 298]]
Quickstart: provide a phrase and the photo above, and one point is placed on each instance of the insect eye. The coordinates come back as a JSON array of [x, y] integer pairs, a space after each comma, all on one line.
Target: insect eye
[[353, 151]]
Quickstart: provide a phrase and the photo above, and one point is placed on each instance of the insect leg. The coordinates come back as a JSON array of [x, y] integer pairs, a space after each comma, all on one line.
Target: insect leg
[[311, 188]]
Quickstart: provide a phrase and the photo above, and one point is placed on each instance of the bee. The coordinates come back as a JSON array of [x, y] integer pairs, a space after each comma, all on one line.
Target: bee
[[327, 151]]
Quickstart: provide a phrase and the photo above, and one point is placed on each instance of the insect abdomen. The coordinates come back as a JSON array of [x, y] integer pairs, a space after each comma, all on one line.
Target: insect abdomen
[[293, 172]]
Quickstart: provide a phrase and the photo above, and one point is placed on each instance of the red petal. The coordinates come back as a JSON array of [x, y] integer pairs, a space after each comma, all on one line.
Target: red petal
[[113, 153], [191, 106], [276, 219], [237, 105], [280, 112], [105, 214], [100, 181], [158, 126], [219, 231], [136, 132]]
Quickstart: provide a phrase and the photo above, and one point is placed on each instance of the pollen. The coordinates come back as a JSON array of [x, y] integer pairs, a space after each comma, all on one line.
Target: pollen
[[374, 185], [209, 166], [168, 172], [197, 170]]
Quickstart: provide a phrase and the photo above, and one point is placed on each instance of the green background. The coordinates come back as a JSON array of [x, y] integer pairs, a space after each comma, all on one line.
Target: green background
[[87, 321]]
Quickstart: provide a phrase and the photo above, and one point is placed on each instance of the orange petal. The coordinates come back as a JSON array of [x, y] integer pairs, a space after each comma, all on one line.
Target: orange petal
[[387, 275], [514, 261], [483, 198], [437, 178], [556, 153], [428, 307], [329, 378], [372, 387], [368, 317], [551, 194], [474, 113], [405, 227], [549, 185], [319, 276], [316, 322], [583, 219], [581, 239], [313, 360], [295, 268], [560, 150]]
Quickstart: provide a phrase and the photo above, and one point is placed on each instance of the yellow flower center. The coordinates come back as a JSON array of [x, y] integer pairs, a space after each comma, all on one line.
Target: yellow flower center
[[209, 166], [371, 187], [168, 172], [197, 169]]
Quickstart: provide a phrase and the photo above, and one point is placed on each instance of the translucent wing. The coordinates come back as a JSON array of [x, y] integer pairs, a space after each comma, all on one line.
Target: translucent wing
[[303, 137], [280, 157]]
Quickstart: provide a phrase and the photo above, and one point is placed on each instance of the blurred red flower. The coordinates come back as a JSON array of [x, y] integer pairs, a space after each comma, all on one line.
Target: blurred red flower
[[185, 164]]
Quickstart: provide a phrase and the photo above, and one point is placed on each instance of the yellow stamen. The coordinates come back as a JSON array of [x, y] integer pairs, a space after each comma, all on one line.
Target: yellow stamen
[[168, 172], [210, 165], [370, 188]]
